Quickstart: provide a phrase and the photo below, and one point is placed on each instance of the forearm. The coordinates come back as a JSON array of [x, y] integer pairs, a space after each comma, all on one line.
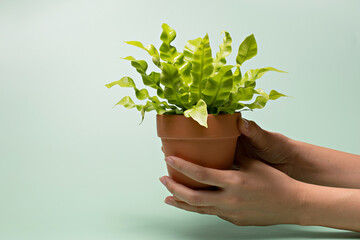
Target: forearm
[[330, 207], [324, 166]]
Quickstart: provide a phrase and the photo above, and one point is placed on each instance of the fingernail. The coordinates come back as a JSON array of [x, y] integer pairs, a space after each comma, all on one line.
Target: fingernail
[[169, 160], [163, 180], [245, 123], [169, 201]]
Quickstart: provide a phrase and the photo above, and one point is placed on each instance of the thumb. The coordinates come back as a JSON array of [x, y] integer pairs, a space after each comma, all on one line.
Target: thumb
[[257, 136]]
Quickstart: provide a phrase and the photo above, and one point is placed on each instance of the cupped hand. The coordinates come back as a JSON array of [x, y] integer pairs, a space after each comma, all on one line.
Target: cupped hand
[[256, 194], [272, 148]]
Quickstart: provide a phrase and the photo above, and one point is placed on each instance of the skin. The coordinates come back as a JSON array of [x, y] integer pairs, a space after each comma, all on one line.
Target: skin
[[277, 181]]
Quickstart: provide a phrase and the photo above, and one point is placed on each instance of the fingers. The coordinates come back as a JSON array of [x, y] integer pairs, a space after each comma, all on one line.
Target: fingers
[[249, 128], [256, 135], [199, 173], [182, 205], [190, 196]]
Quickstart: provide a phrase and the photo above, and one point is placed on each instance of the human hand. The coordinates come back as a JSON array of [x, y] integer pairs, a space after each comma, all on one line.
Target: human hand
[[256, 194], [272, 148]]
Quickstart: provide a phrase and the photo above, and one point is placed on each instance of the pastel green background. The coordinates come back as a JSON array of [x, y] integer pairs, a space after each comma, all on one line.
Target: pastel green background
[[73, 167]]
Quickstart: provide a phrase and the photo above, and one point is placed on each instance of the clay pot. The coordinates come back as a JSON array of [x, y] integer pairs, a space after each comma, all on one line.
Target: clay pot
[[212, 147]]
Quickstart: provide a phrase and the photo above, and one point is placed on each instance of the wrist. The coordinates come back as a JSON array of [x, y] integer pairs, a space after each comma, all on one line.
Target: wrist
[[288, 147], [299, 204], [328, 207], [303, 197], [300, 167]]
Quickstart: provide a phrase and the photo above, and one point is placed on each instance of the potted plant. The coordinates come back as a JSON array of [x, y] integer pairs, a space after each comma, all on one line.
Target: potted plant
[[199, 98]]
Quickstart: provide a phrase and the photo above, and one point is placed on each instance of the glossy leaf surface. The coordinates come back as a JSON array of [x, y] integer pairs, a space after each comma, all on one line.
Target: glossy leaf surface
[[141, 94], [217, 88], [247, 50], [152, 80], [153, 52], [225, 50], [201, 69], [194, 83], [198, 113], [168, 52], [171, 79], [252, 75]]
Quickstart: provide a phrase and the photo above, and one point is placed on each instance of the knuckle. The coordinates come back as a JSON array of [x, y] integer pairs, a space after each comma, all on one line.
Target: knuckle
[[201, 175], [170, 186], [235, 179], [239, 180], [194, 199]]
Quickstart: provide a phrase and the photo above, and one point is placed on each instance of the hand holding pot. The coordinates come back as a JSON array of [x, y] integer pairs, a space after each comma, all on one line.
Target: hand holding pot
[[302, 161], [273, 148], [257, 194]]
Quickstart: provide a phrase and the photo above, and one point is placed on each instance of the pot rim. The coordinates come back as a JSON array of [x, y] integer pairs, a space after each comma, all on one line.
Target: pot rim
[[220, 126]]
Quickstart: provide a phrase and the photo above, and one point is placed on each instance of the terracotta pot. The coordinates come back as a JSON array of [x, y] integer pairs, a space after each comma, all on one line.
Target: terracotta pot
[[212, 147]]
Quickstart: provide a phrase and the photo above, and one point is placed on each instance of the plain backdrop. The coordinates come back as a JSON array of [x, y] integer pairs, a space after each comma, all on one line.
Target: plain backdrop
[[74, 167]]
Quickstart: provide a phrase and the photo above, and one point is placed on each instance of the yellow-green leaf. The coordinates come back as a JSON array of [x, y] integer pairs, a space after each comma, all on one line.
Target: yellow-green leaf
[[123, 82], [201, 69], [190, 48], [151, 80], [253, 74], [225, 50], [171, 79], [247, 50], [273, 95], [150, 49], [236, 78], [198, 113], [217, 88], [126, 102], [168, 52], [141, 94]]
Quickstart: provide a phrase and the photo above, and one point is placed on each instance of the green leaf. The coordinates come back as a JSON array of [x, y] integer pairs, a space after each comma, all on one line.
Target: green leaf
[[262, 93], [123, 82], [225, 50], [168, 52], [261, 100], [171, 79], [141, 94], [273, 95], [150, 49], [162, 104], [242, 94], [230, 109], [152, 80], [253, 74], [190, 48], [198, 113], [201, 69], [126, 102], [140, 65], [217, 88], [192, 82], [247, 50], [236, 78], [149, 106], [184, 69], [259, 103], [184, 64]]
